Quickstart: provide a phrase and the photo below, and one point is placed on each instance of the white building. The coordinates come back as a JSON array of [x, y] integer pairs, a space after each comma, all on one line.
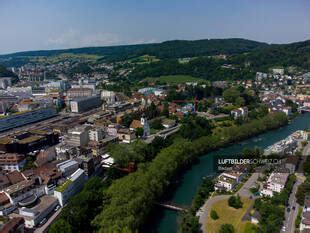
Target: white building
[[68, 167], [96, 134], [12, 161], [275, 183], [306, 135], [5, 82], [73, 185], [33, 216], [77, 136], [278, 71], [239, 113], [108, 96], [228, 180]]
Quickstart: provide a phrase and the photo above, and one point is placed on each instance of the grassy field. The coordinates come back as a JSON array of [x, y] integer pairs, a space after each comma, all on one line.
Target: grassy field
[[174, 79], [145, 59], [230, 215]]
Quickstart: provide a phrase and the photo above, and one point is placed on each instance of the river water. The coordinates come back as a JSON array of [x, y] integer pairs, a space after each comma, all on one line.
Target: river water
[[166, 220]]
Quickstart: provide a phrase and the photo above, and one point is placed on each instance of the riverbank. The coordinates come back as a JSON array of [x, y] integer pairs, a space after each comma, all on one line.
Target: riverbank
[[138, 191], [187, 185]]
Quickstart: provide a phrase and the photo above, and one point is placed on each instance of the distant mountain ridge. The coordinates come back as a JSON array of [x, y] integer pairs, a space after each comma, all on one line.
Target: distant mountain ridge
[[259, 54], [167, 49]]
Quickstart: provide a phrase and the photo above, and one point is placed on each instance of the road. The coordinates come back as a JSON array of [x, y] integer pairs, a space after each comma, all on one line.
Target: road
[[44, 228], [243, 192], [205, 209], [291, 216]]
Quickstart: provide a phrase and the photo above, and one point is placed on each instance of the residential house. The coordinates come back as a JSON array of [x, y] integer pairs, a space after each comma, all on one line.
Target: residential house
[[275, 183], [126, 135], [228, 180], [239, 113]]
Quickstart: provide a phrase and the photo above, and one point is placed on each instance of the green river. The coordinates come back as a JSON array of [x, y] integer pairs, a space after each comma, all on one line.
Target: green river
[[165, 221]]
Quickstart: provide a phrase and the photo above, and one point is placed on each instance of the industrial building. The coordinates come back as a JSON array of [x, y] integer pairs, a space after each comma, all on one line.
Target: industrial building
[[21, 119], [28, 141], [84, 104]]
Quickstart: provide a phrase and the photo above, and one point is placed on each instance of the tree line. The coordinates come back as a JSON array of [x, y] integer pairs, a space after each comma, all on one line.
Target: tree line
[[131, 198], [201, 67]]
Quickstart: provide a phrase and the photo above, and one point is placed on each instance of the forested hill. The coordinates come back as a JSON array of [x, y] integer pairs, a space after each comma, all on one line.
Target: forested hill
[[183, 48], [168, 49], [294, 54], [260, 56]]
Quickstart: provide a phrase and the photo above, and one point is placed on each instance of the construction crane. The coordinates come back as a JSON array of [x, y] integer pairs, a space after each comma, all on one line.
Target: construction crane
[[195, 101]]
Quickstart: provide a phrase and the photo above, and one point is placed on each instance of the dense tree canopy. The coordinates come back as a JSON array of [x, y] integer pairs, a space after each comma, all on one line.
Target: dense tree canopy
[[131, 198]]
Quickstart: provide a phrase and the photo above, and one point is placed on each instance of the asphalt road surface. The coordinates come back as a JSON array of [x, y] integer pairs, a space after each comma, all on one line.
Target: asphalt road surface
[[290, 216], [243, 192]]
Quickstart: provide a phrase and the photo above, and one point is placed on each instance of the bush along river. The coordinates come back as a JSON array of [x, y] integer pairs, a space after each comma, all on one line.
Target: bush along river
[[166, 221]]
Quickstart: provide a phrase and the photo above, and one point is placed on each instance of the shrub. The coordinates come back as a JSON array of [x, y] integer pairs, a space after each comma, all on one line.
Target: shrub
[[235, 202], [227, 228], [214, 215]]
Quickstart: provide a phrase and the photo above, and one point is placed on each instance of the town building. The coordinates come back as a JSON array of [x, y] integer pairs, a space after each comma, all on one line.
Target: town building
[[239, 113], [71, 186], [84, 104], [74, 93], [28, 141], [15, 224], [168, 123], [228, 180], [78, 136], [35, 215], [5, 82], [275, 183], [291, 163], [126, 135], [67, 167], [305, 217], [108, 97], [96, 134], [12, 161]]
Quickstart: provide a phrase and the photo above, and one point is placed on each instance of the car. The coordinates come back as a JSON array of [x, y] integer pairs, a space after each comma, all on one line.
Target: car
[[43, 221], [293, 207], [57, 208], [288, 209]]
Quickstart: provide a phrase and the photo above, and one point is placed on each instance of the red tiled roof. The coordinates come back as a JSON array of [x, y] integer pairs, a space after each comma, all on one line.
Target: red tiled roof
[[15, 177], [12, 225], [135, 124]]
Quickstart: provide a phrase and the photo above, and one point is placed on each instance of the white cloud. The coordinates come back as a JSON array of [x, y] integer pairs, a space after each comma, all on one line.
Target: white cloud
[[73, 38], [144, 41]]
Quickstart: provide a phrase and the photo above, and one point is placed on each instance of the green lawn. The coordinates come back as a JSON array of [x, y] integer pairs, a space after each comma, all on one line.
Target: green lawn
[[174, 79], [229, 215], [145, 59]]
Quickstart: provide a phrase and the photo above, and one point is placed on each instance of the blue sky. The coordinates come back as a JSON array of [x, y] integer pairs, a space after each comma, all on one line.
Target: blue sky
[[50, 24]]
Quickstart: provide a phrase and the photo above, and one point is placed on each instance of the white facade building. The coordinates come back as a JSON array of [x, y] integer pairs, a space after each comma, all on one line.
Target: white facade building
[[68, 167], [96, 134], [108, 96], [73, 185], [275, 183]]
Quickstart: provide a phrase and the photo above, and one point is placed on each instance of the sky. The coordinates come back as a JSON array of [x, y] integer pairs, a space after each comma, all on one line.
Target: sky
[[55, 24]]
